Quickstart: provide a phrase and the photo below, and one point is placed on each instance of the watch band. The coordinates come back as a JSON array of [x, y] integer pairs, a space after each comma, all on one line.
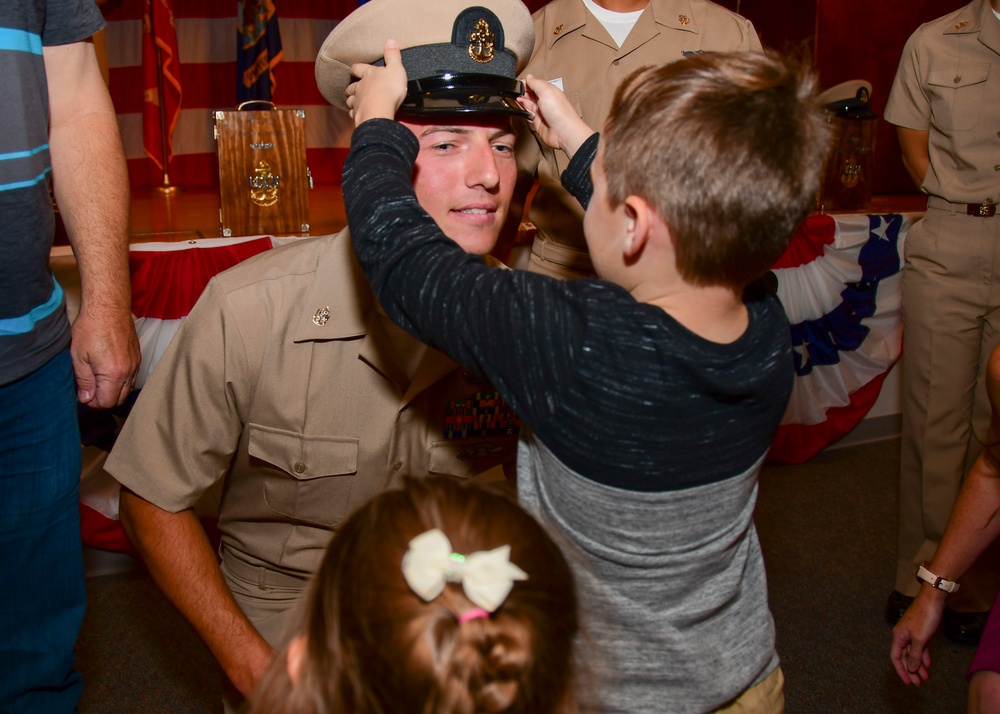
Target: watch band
[[936, 581]]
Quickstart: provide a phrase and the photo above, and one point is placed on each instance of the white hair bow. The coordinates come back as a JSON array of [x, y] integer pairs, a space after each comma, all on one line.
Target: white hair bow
[[487, 576]]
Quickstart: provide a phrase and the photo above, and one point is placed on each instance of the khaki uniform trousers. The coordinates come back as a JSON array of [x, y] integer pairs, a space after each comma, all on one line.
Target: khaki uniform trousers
[[951, 296], [268, 599]]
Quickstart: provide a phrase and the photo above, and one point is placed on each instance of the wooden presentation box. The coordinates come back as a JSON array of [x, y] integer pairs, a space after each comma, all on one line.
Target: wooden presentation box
[[263, 177]]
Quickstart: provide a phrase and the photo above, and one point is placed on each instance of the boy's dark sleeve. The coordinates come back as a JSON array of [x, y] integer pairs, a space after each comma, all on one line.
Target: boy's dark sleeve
[[576, 177], [512, 327]]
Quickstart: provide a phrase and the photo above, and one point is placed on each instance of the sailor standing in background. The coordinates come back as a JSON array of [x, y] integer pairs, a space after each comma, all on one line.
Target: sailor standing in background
[[945, 102], [586, 48]]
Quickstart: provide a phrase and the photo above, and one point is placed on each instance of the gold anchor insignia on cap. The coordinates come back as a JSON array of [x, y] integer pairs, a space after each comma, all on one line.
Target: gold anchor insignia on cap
[[321, 316], [683, 19], [961, 24], [481, 43], [558, 29]]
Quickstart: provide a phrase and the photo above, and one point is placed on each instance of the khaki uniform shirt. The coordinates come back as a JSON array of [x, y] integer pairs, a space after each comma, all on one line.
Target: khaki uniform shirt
[[287, 381], [572, 45], [948, 83]]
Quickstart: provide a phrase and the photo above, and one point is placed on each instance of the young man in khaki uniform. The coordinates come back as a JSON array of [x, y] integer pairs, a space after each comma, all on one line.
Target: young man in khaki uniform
[[945, 102], [289, 383], [575, 50]]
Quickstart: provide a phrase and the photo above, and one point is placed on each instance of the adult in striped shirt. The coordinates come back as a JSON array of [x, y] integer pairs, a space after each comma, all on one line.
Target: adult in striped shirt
[[58, 125]]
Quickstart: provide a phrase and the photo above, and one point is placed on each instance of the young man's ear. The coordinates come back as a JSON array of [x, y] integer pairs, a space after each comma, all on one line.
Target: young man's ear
[[638, 223]]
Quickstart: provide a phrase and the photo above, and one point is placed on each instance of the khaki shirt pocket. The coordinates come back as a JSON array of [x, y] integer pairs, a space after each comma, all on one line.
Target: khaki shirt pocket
[[957, 95], [311, 476]]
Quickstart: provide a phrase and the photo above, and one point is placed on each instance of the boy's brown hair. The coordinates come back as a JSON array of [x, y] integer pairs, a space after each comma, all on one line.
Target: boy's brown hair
[[728, 148], [374, 646]]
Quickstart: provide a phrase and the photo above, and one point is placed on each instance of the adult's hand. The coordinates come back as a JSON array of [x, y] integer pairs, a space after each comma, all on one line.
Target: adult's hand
[[909, 654], [106, 356]]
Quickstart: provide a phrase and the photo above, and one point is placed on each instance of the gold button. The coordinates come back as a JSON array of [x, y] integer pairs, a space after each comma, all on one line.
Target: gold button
[[615, 63], [957, 80], [996, 167], [300, 467], [397, 466]]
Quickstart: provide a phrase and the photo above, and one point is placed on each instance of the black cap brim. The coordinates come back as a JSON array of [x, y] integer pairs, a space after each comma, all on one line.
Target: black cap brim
[[464, 94]]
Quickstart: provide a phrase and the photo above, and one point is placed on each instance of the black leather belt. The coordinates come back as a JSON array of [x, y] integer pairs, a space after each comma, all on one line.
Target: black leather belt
[[981, 210], [986, 209]]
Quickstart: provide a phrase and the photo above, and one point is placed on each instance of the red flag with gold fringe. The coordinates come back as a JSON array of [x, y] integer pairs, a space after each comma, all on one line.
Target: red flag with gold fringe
[[159, 37]]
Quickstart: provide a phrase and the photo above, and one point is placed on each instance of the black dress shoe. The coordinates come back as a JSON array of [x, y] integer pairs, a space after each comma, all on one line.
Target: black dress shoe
[[964, 628], [895, 606]]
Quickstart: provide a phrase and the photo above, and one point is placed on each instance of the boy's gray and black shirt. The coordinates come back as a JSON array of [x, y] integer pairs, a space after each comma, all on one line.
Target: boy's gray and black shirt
[[618, 390], [643, 440]]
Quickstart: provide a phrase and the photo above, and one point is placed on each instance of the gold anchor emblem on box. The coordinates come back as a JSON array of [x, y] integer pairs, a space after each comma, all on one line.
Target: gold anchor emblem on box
[[264, 185], [481, 43]]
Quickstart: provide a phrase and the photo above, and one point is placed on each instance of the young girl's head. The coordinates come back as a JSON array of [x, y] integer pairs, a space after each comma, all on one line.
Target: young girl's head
[[446, 636]]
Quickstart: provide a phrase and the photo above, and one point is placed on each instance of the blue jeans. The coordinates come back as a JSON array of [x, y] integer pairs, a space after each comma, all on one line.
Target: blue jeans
[[42, 598]]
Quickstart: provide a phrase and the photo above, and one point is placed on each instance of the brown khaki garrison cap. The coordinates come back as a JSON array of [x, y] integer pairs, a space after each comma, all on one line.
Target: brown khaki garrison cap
[[458, 58]]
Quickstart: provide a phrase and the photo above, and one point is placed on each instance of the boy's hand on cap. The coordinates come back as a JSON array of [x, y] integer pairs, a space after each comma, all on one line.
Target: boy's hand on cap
[[555, 120], [379, 90]]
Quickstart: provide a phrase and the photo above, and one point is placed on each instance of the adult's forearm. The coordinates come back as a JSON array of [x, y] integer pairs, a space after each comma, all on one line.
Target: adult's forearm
[[971, 527], [973, 523], [916, 153], [90, 178], [90, 181], [181, 560]]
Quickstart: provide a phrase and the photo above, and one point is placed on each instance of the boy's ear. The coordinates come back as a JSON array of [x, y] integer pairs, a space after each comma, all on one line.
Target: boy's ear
[[295, 658], [638, 223]]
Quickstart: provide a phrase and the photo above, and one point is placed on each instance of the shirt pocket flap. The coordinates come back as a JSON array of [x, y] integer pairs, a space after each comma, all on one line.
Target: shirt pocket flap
[[467, 458], [958, 78], [302, 456]]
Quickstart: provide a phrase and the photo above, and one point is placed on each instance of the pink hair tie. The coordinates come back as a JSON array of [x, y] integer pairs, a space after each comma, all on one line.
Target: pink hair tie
[[473, 614]]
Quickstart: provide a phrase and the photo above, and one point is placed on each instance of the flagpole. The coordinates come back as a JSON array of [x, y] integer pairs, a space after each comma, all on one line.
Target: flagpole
[[166, 187]]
